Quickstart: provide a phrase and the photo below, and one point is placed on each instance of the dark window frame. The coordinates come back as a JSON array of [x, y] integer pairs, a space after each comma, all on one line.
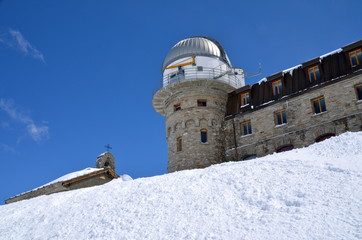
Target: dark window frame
[[179, 144], [244, 99], [177, 107], [358, 90], [203, 135], [285, 148], [357, 55], [277, 86], [246, 128], [324, 137], [321, 104], [314, 73], [280, 117], [202, 103], [249, 157]]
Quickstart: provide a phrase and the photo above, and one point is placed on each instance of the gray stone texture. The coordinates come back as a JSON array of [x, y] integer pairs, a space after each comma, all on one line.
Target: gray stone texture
[[190, 119], [225, 142], [106, 160], [344, 113]]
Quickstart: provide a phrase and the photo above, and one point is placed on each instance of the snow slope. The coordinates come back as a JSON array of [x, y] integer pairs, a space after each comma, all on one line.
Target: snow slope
[[309, 193]]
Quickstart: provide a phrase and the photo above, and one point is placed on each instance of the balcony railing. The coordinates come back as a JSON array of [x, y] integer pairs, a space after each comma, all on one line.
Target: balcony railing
[[191, 74]]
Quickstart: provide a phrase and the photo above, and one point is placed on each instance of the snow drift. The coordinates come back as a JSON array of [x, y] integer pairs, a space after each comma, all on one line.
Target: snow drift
[[309, 193]]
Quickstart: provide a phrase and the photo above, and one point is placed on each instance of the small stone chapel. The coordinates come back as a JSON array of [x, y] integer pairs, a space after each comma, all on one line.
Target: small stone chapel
[[104, 172]]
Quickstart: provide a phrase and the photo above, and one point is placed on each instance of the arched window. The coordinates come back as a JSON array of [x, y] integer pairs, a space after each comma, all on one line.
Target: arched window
[[203, 133], [179, 144], [324, 137], [249, 157], [285, 148]]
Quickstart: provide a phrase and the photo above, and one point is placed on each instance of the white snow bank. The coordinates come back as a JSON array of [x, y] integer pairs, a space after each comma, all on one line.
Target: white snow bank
[[309, 193], [126, 177]]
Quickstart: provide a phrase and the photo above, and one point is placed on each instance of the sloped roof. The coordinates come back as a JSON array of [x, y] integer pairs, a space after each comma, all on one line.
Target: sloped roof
[[88, 175], [74, 177]]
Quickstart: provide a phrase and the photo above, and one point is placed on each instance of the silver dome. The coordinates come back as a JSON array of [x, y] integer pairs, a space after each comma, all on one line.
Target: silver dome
[[196, 46]]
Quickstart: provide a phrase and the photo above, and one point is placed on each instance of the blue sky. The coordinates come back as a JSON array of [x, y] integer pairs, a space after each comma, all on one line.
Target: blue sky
[[77, 75]]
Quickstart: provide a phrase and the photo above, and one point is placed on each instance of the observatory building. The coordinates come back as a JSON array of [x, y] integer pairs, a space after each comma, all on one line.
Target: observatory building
[[212, 116], [197, 77]]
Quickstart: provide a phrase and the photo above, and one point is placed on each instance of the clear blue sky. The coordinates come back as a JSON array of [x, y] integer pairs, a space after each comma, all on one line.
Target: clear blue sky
[[77, 75]]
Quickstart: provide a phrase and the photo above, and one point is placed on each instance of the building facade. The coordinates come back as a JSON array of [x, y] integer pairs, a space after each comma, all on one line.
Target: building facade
[[212, 119], [298, 107]]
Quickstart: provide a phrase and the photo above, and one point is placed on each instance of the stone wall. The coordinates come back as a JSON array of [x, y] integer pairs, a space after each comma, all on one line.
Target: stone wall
[[188, 121], [344, 113]]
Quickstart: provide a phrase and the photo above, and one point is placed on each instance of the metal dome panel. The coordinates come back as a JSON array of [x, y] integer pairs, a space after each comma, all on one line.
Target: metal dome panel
[[196, 46]]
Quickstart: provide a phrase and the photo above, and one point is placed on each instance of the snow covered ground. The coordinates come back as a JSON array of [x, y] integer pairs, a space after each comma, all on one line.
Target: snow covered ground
[[309, 193]]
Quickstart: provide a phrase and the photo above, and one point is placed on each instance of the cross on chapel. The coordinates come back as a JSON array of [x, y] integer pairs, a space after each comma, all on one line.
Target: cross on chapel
[[108, 147]]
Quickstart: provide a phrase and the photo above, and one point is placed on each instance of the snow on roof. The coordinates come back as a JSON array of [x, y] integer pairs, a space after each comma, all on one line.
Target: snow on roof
[[262, 80], [290, 70], [74, 175], [65, 178], [68, 177], [103, 154], [330, 53]]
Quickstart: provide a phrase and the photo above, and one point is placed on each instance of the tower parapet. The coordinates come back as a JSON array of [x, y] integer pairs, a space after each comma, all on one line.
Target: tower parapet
[[197, 77]]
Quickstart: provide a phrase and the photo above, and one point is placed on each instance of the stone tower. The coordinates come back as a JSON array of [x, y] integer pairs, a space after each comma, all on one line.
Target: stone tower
[[106, 160], [197, 77]]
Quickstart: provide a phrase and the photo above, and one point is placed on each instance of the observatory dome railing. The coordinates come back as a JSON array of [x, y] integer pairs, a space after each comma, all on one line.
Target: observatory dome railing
[[193, 74]]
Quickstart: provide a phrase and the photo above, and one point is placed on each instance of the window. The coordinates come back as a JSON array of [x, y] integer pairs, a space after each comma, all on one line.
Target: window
[[203, 133], [244, 99], [355, 57], [200, 68], [177, 107], [179, 144], [314, 74], [324, 137], [285, 148], [245, 128], [280, 117], [359, 91], [249, 157], [168, 132], [277, 87], [201, 103], [319, 105]]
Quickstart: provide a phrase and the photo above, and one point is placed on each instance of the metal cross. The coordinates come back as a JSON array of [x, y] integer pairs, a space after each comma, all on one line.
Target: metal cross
[[108, 147]]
